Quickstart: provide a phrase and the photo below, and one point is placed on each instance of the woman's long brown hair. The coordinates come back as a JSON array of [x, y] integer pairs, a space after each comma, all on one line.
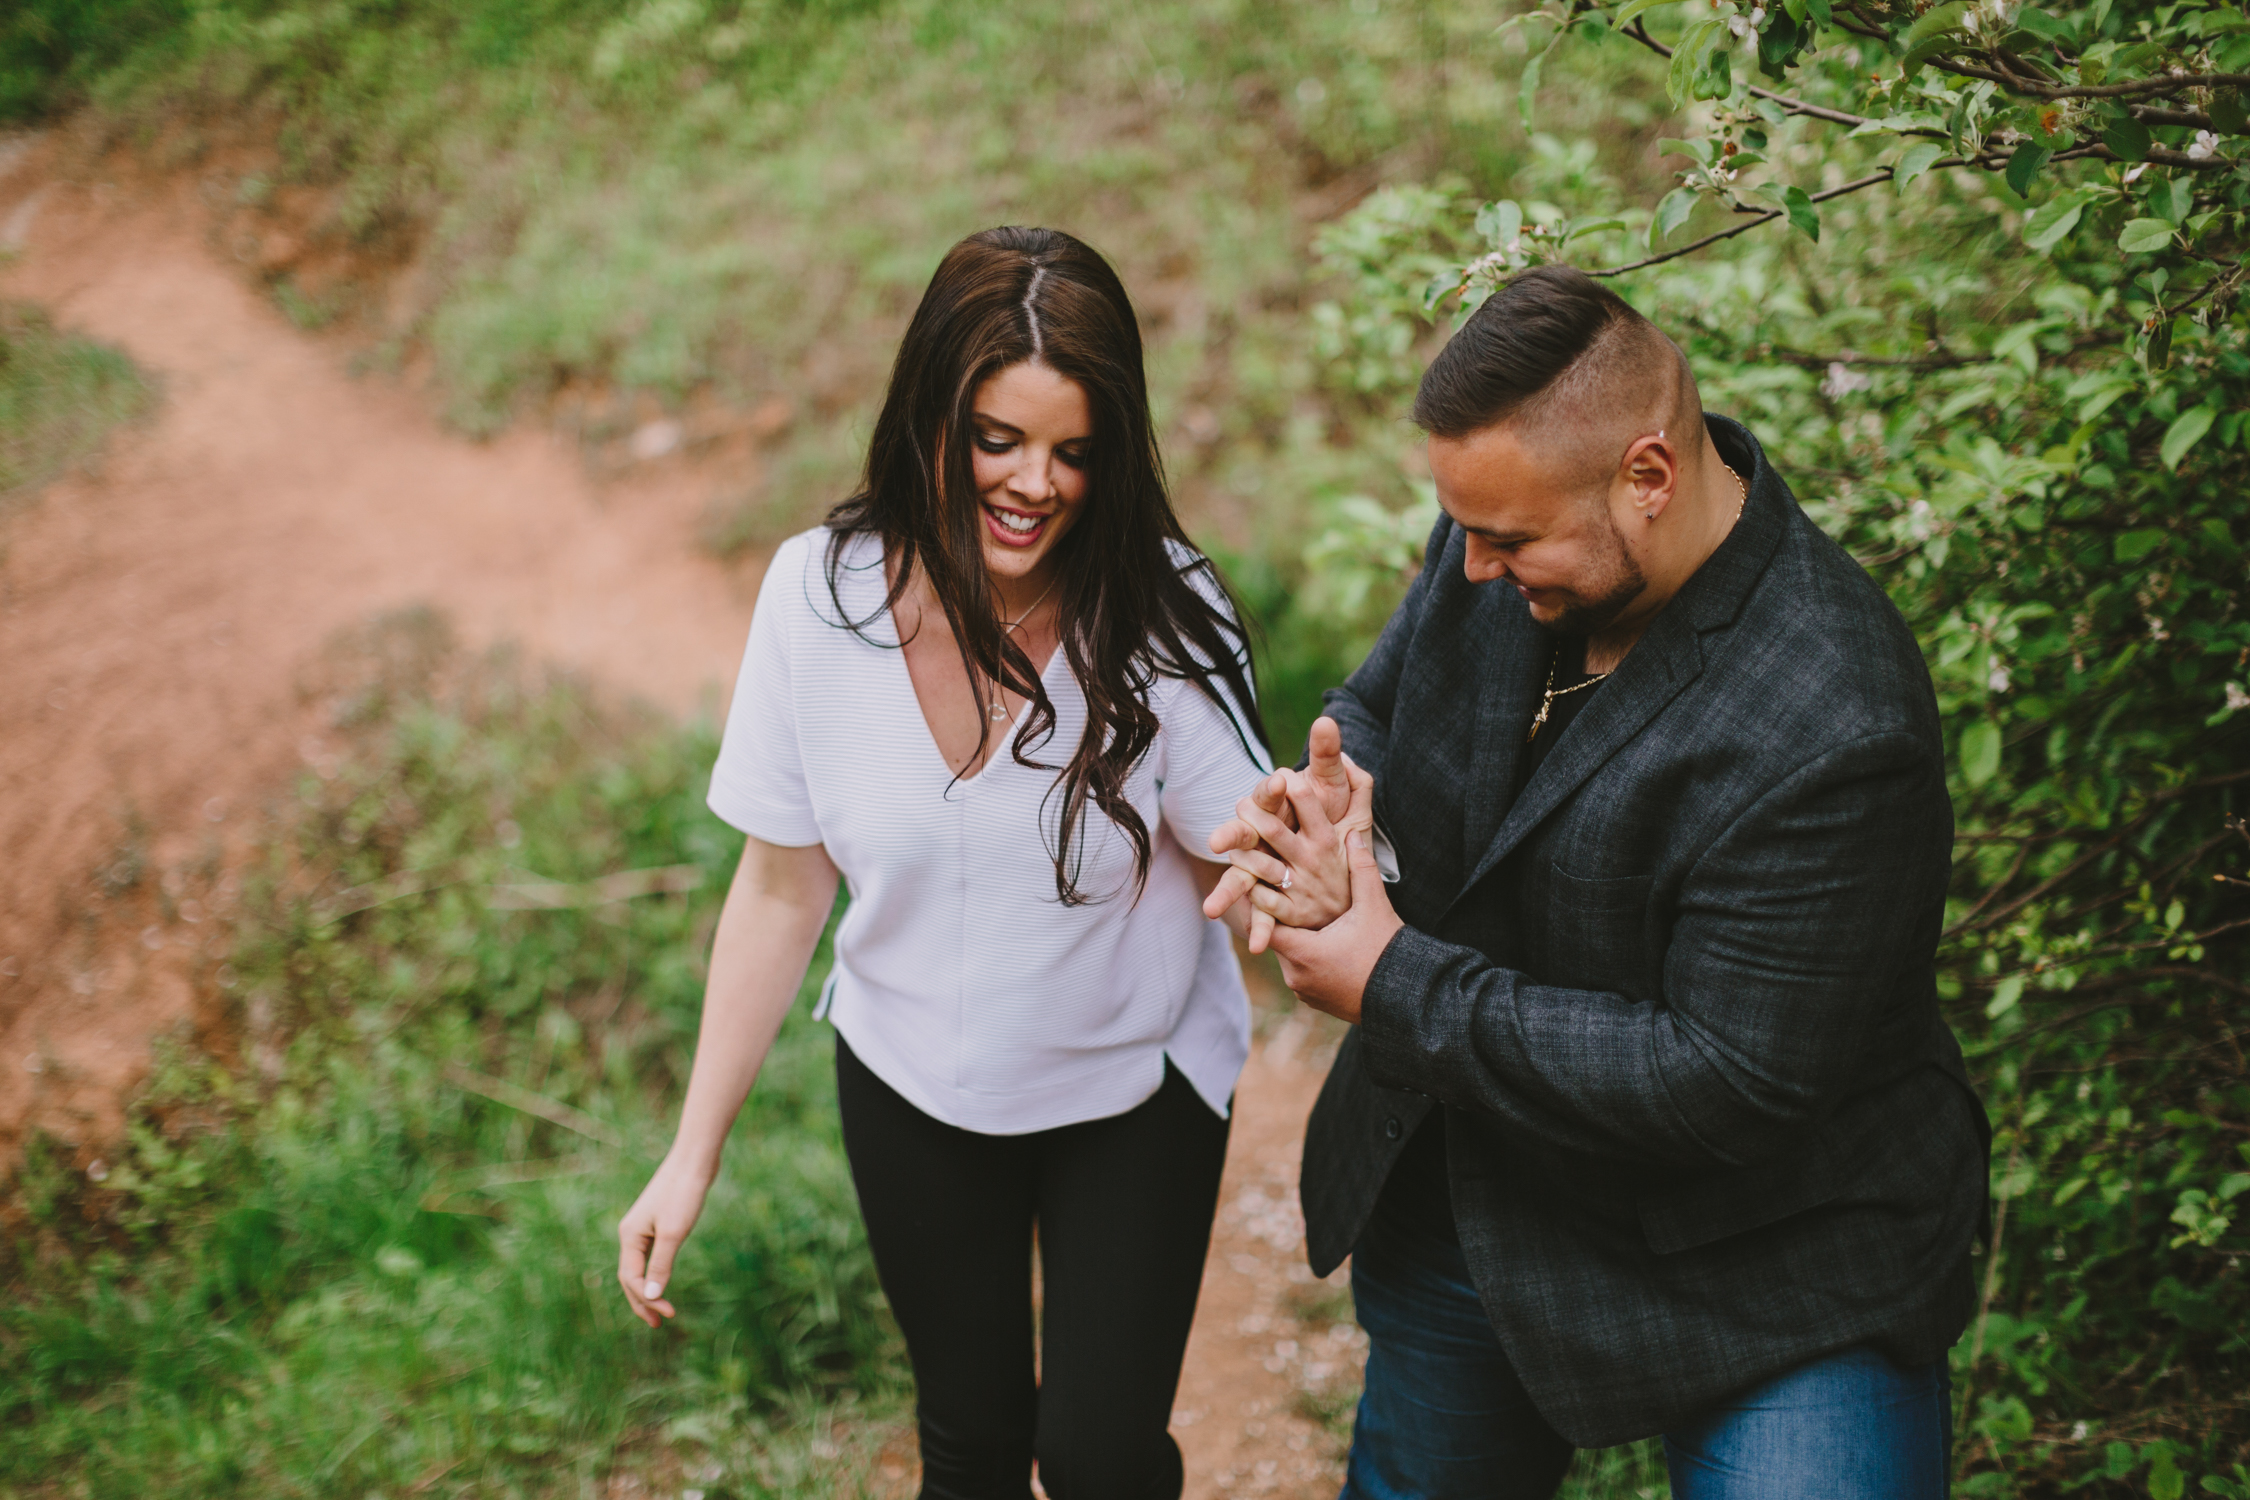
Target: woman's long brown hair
[[1131, 612]]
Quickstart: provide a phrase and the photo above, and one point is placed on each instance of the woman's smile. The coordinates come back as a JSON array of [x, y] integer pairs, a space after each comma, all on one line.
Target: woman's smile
[[1015, 528]]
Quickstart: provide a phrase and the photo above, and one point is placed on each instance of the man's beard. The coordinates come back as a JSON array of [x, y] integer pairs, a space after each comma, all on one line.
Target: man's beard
[[1616, 586]]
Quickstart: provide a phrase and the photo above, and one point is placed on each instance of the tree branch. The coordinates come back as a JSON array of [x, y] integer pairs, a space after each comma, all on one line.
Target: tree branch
[[1768, 216], [1639, 33]]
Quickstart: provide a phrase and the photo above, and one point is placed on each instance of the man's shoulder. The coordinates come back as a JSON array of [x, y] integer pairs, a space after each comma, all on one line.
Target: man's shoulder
[[1825, 649]]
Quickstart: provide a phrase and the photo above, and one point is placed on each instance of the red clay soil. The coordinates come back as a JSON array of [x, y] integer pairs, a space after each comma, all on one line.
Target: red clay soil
[[158, 618], [161, 617]]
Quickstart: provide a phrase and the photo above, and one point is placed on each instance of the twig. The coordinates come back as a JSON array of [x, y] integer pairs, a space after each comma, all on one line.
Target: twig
[[1764, 218], [1991, 1278], [1639, 33], [554, 1112]]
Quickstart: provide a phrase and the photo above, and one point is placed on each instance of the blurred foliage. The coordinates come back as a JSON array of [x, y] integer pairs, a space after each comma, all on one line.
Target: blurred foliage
[[59, 398], [591, 210], [369, 1241], [50, 50], [1936, 289]]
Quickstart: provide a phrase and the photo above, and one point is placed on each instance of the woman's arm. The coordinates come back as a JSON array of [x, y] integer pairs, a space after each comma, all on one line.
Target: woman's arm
[[771, 922]]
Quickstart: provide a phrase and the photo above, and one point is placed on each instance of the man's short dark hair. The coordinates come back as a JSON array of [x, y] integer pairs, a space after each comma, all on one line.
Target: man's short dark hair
[[1562, 351]]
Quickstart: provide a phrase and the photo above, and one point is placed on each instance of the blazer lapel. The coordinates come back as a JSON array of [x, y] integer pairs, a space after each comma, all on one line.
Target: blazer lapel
[[1666, 660], [1507, 683]]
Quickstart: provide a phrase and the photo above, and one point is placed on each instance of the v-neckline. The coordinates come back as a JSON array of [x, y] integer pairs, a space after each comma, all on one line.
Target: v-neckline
[[1009, 726]]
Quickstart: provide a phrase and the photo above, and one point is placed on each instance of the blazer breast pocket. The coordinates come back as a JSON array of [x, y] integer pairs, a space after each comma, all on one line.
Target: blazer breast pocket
[[1597, 933]]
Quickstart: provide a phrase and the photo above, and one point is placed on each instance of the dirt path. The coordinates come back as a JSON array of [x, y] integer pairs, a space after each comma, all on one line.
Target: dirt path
[[1274, 1358], [158, 619]]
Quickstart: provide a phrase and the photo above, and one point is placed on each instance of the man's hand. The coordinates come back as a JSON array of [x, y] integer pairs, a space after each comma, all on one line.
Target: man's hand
[[1328, 969], [1280, 799]]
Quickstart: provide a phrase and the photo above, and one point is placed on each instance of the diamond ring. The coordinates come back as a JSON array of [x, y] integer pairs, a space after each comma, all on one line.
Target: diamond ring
[[1288, 877]]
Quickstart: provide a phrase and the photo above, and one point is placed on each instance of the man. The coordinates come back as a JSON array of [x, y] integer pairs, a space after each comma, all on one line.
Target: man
[[1648, 1121]]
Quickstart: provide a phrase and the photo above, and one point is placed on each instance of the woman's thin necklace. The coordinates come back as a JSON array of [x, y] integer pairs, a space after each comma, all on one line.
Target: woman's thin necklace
[[999, 708], [1547, 702]]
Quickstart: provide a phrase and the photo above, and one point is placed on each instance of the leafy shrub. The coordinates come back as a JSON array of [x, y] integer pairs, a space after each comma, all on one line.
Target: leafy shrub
[[1938, 298]]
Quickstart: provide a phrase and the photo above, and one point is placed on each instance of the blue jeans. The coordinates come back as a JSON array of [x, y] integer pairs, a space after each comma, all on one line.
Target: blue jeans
[[1444, 1417]]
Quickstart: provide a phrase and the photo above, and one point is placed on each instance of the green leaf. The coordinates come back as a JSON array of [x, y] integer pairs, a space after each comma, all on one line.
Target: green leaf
[[1796, 9], [2132, 546], [2174, 199], [1980, 752], [1527, 87], [2004, 997], [2024, 165], [2051, 220], [2042, 25], [2160, 343], [1632, 8], [1803, 216], [1915, 57], [1699, 152], [2165, 1481], [1594, 226], [1500, 222], [1670, 215], [2230, 111], [1937, 21], [2143, 235], [1688, 55], [2186, 431], [1914, 162], [2128, 139], [1820, 12]]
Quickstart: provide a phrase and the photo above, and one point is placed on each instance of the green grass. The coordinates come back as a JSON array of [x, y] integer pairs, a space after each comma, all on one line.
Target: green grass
[[328, 1261], [60, 396]]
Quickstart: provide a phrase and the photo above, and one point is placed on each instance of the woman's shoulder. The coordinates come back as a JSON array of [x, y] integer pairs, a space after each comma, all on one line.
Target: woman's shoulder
[[798, 576], [1201, 573]]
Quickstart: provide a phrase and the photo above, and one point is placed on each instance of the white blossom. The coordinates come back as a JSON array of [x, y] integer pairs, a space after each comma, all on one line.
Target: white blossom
[[2134, 175], [2237, 697], [2205, 147], [1998, 679], [1843, 380]]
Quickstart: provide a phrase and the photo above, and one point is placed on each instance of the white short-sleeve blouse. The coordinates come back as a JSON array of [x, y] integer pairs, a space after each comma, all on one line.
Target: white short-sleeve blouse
[[960, 977]]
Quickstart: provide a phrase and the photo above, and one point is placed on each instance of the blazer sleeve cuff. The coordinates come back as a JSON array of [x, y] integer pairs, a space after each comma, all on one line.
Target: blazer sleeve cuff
[[1414, 1013]]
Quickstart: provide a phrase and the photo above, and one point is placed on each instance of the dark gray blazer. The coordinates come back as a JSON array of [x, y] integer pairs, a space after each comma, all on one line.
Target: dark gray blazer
[[1678, 1000]]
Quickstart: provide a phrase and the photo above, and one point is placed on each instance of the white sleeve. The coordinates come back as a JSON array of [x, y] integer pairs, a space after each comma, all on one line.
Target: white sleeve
[[1209, 759], [758, 784], [1210, 763]]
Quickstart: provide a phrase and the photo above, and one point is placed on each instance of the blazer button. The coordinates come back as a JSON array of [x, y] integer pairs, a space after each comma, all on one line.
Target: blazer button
[[1390, 1128]]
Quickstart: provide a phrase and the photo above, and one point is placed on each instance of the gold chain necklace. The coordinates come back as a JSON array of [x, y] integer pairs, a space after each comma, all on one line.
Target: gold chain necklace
[[1547, 700], [999, 709]]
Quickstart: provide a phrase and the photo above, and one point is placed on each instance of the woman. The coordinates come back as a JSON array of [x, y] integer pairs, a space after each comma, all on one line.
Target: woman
[[1001, 695]]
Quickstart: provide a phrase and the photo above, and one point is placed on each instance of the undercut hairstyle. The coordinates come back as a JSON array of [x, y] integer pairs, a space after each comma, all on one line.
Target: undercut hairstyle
[[1131, 611], [1570, 364]]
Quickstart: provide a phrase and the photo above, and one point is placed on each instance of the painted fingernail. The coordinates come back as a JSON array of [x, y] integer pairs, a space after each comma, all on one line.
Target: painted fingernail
[[653, 1290]]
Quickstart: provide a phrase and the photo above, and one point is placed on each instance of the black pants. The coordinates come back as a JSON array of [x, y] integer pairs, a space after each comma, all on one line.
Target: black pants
[[1124, 1208]]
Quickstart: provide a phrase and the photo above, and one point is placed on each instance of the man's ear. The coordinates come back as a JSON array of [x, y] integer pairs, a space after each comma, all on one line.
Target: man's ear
[[1650, 475]]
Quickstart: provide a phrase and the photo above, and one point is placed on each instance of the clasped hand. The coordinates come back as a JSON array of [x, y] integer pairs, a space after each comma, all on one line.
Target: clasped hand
[[1304, 881]]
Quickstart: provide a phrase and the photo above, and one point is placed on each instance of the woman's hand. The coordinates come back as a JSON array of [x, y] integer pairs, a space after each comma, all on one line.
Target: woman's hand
[[1304, 878], [649, 1236], [1241, 841], [772, 920]]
